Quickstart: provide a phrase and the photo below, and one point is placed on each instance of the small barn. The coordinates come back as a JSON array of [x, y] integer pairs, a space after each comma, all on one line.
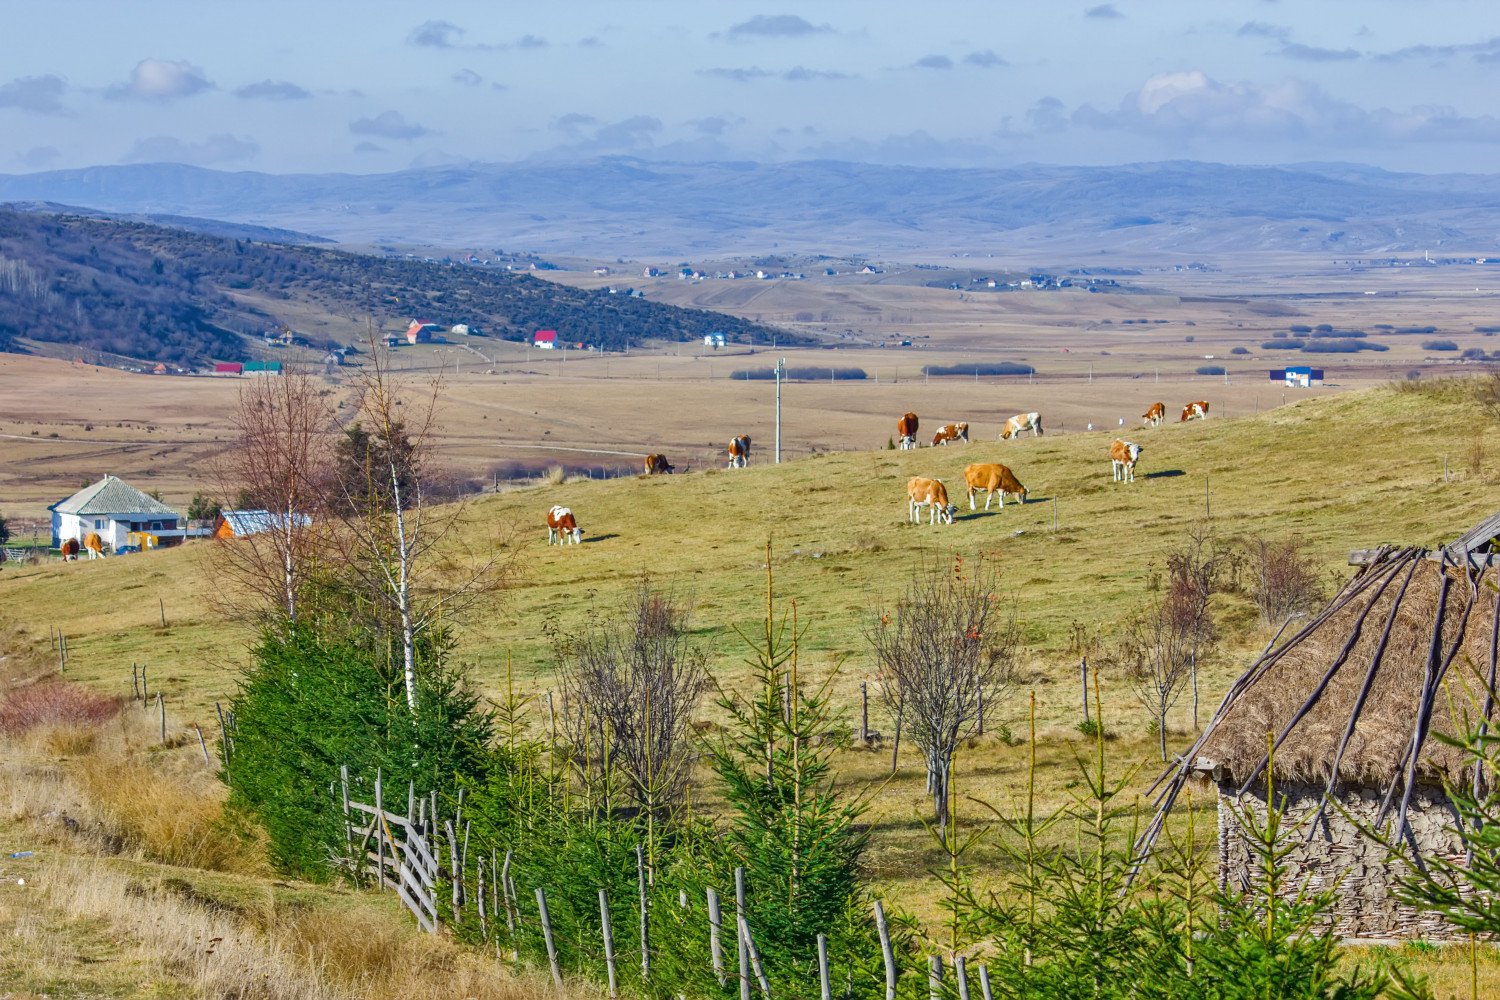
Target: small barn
[[114, 510], [546, 339], [1357, 702], [1297, 376]]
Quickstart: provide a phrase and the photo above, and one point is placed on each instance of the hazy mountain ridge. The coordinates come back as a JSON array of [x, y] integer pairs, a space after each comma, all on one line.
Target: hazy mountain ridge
[[627, 206]]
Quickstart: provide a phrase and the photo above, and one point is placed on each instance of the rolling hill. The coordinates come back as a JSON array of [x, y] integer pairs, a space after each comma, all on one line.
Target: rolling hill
[[622, 205], [136, 290]]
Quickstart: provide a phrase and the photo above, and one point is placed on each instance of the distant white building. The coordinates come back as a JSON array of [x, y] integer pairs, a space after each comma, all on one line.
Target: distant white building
[[714, 340], [113, 509]]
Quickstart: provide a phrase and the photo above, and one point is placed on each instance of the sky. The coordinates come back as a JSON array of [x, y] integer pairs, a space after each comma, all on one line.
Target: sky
[[320, 86]]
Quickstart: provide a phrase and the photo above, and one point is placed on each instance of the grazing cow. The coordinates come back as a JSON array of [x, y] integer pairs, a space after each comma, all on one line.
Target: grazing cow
[[906, 431], [1022, 422], [992, 478], [562, 527], [739, 451], [1195, 411], [929, 493], [1122, 458], [69, 549], [951, 432], [658, 464], [1155, 416]]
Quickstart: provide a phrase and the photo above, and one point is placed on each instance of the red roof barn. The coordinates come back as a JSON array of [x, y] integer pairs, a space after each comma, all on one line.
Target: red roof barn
[[546, 339]]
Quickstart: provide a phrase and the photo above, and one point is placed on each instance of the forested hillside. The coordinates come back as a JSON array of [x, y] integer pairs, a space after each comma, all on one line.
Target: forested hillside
[[162, 294]]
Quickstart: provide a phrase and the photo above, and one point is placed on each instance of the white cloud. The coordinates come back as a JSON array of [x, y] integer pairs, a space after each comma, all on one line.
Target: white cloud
[[389, 125], [216, 149], [161, 80], [40, 95]]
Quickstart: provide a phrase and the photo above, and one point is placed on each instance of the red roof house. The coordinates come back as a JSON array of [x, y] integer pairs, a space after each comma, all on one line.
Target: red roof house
[[422, 332], [546, 339], [229, 368]]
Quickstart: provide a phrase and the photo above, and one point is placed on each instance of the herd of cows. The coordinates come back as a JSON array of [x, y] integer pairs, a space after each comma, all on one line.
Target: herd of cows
[[991, 478]]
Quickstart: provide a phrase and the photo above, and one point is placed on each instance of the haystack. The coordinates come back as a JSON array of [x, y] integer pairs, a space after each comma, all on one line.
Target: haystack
[[1405, 651]]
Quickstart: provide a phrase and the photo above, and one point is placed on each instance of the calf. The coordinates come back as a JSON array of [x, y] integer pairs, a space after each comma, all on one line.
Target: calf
[[1156, 415], [929, 493], [906, 431], [739, 452], [951, 432], [658, 464], [1195, 411], [1122, 458], [992, 478], [562, 527], [1022, 422]]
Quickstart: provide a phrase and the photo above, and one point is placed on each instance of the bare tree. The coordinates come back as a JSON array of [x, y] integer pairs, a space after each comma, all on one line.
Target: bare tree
[[399, 547], [1283, 578], [945, 653], [280, 464], [1192, 579], [633, 688]]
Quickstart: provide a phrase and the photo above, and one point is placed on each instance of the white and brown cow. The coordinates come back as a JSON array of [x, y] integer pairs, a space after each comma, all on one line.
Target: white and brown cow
[[658, 464], [1021, 422], [932, 494], [951, 432], [993, 478], [562, 527], [1195, 411], [906, 431], [1156, 415], [1122, 458], [739, 451]]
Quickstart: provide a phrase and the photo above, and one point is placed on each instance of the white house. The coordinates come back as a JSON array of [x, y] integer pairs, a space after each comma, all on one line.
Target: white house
[[114, 509], [714, 340]]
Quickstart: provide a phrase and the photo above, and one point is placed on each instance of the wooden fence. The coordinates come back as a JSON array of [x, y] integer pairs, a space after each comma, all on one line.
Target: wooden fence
[[398, 852]]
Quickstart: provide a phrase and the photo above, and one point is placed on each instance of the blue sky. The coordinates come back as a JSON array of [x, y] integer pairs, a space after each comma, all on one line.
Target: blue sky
[[376, 86]]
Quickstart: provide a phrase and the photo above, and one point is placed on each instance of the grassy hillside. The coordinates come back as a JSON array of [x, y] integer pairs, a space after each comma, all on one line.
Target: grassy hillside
[[1337, 473], [144, 291]]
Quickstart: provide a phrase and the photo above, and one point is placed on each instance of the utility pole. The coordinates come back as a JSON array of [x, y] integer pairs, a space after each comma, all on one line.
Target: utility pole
[[780, 374]]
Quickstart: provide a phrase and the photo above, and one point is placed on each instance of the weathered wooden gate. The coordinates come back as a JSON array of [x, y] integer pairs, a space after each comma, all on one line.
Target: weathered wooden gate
[[396, 850]]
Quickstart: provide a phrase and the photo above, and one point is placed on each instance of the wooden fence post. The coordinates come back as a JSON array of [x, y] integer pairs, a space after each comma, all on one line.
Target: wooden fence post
[[755, 963], [379, 835], [145, 693], [1083, 674], [348, 830], [864, 713], [825, 989], [640, 875], [886, 954], [541, 905], [715, 928], [161, 709], [934, 977], [484, 927], [984, 983], [961, 973], [609, 943], [896, 743], [742, 951], [135, 684], [453, 869], [980, 696], [201, 744]]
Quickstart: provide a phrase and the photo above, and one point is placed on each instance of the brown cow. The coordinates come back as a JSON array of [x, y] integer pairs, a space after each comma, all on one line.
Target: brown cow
[[992, 478], [906, 432], [1195, 411], [951, 432], [658, 464], [1156, 415], [932, 494], [1122, 458], [562, 527], [1020, 423], [739, 451]]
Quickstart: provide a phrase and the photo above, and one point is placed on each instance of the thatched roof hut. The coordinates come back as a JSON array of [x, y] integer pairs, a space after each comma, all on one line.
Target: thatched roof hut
[[1406, 650]]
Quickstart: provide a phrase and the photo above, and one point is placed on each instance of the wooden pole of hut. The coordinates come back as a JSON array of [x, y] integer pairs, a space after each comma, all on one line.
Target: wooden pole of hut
[[541, 905], [887, 954], [715, 930], [609, 943]]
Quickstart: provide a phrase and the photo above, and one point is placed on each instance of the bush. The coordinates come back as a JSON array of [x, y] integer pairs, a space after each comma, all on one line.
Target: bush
[[1342, 346], [311, 703], [1283, 345], [1239, 350], [1473, 354], [1416, 329], [1439, 345], [803, 374], [1298, 328], [54, 703], [1283, 578], [1211, 370], [980, 368]]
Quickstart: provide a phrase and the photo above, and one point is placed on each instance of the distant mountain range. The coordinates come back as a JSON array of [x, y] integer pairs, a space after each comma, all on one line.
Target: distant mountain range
[[676, 211]]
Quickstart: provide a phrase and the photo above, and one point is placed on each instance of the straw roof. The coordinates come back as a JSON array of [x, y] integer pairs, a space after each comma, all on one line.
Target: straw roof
[[1406, 650], [1377, 667]]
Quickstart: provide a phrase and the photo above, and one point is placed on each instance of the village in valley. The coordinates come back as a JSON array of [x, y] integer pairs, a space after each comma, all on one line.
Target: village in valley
[[811, 504]]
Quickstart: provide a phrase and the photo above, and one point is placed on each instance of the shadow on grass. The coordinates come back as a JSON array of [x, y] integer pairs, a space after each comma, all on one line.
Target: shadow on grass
[[1164, 474], [599, 538]]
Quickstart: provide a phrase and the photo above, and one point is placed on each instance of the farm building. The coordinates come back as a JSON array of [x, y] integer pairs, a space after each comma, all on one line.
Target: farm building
[[263, 367], [115, 511], [420, 331], [229, 368], [714, 340], [546, 339], [1299, 376], [1358, 701], [241, 523]]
